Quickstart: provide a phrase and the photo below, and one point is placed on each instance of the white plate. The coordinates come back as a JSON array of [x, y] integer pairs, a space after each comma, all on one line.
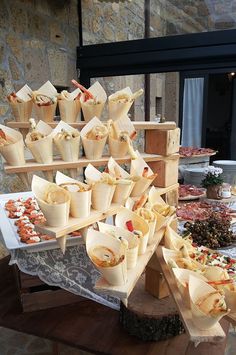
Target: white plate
[[9, 230]]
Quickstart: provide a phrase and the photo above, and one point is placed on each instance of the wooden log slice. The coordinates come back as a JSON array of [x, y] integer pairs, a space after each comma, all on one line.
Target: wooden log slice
[[149, 318]]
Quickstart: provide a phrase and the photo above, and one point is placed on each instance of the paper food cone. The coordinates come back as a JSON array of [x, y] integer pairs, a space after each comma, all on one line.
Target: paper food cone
[[230, 297], [124, 124], [116, 170], [139, 224], [93, 148], [169, 254], [102, 195], [182, 278], [99, 244], [129, 203], [92, 174], [56, 215], [13, 153], [45, 113], [216, 273], [92, 110], [161, 221], [80, 200], [136, 170], [42, 149], [69, 149], [69, 110], [174, 241], [22, 110], [154, 197], [122, 191], [197, 289], [119, 109], [117, 148], [131, 239]]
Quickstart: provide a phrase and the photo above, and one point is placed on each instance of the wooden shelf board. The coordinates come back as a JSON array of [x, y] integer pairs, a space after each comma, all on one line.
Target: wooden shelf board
[[145, 125], [31, 165], [215, 334], [77, 223], [124, 291]]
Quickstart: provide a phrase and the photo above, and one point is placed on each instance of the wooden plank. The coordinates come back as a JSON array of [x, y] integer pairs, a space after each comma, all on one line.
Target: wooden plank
[[162, 142], [215, 334], [31, 165], [138, 125], [124, 291], [77, 223]]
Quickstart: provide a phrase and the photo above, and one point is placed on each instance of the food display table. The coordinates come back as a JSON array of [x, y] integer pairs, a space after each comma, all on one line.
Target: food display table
[[88, 326]]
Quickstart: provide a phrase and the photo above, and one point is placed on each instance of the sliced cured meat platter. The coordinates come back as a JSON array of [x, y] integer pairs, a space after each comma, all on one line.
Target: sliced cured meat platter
[[191, 152], [190, 192]]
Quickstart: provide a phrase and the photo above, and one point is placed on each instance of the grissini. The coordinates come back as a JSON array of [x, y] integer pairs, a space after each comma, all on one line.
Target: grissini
[[80, 194], [53, 200], [108, 254]]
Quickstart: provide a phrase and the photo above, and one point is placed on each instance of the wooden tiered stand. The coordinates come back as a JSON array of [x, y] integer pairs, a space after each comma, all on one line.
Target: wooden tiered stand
[[154, 310]]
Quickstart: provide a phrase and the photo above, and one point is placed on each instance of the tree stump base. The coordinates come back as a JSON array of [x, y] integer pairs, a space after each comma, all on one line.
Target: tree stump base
[[149, 318]]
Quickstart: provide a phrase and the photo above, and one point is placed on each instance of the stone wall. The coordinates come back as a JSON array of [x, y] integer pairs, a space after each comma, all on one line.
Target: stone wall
[[38, 40]]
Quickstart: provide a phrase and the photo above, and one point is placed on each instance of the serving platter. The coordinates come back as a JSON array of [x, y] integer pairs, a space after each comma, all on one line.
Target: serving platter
[[9, 230]]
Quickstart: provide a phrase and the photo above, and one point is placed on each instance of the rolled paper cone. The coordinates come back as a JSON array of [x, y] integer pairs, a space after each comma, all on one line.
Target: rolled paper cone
[[169, 254], [161, 221], [69, 149], [13, 153], [80, 203], [230, 297], [129, 203], [123, 124], [182, 278], [197, 289], [102, 195], [115, 275], [122, 192], [152, 228], [22, 110], [172, 239], [93, 149], [118, 109], [141, 186], [57, 215], [115, 168], [138, 222], [49, 175], [117, 148], [90, 111], [62, 243], [92, 174], [45, 113], [215, 273], [132, 239], [69, 110], [154, 197], [42, 149]]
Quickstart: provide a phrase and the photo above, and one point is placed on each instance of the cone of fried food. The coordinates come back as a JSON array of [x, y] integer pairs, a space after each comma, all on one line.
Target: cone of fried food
[[208, 305], [92, 100], [39, 142], [150, 218], [80, 195], [45, 102], [69, 105], [94, 136], [124, 184], [54, 201], [103, 188], [141, 174], [108, 254], [21, 103], [130, 240], [120, 102], [67, 140], [135, 224]]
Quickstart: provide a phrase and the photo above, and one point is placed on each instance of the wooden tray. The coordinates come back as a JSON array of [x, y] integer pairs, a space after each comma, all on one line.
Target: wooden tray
[[215, 334], [77, 223], [124, 291]]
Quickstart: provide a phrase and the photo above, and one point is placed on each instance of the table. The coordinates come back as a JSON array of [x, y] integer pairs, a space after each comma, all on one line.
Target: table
[[87, 326]]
